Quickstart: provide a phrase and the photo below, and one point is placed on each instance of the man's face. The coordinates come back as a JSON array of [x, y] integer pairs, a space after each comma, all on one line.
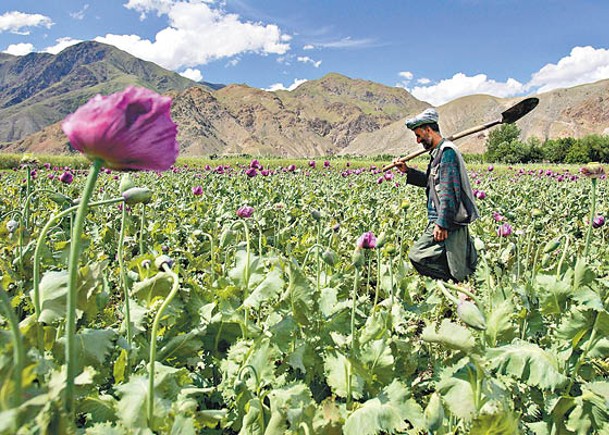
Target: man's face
[[423, 135]]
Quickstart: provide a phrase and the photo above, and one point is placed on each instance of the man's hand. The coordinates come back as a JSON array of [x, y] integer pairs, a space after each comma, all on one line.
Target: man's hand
[[439, 234], [401, 166]]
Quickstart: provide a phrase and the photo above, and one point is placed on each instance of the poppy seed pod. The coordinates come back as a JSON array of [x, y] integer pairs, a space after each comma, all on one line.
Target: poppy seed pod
[[137, 195]]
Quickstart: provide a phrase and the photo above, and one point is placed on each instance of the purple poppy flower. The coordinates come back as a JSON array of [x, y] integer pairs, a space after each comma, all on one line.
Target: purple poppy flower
[[380, 180], [66, 177], [326, 164], [389, 176], [504, 230], [245, 211], [598, 221], [255, 164], [197, 190], [128, 130], [265, 172], [251, 172], [490, 168], [479, 194], [366, 241], [312, 163], [497, 217], [291, 168]]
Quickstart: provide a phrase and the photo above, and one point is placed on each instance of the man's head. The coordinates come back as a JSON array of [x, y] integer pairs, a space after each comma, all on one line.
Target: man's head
[[426, 129]]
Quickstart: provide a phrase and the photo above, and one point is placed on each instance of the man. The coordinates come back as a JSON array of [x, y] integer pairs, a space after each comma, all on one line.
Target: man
[[445, 250]]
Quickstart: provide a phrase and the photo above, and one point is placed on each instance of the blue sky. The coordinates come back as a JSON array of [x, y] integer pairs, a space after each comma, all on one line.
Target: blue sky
[[438, 50]]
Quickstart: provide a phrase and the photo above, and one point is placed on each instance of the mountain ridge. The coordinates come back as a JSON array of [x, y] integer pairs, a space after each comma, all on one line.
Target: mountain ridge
[[334, 114]]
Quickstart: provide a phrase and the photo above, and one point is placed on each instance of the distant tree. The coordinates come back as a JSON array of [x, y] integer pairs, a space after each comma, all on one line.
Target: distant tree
[[555, 150], [501, 142], [579, 152]]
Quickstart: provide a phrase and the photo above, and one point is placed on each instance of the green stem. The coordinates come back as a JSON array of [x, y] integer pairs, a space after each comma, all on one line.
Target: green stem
[[123, 280], [40, 241], [153, 335], [142, 228], [354, 297], [75, 247], [18, 349], [592, 212], [246, 271]]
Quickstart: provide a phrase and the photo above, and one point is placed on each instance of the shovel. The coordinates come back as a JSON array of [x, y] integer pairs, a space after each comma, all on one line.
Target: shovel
[[510, 116]]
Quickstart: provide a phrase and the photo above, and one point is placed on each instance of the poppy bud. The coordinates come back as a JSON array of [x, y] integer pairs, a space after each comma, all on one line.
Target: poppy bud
[[316, 214], [551, 246], [434, 413], [381, 239], [329, 257], [12, 226], [162, 260], [60, 199], [137, 195], [226, 237], [126, 183], [469, 313], [358, 258]]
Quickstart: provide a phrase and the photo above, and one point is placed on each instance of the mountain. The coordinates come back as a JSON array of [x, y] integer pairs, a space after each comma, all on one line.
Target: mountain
[[332, 115], [40, 89]]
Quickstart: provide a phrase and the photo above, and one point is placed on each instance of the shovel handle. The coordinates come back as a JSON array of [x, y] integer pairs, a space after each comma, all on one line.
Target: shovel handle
[[451, 138]]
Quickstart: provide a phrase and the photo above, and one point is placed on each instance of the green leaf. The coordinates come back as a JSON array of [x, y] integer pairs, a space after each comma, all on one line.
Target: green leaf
[[292, 403], [299, 294], [450, 334], [499, 325], [98, 408], [529, 363], [386, 413], [92, 346], [252, 421], [150, 289], [268, 289], [183, 425], [458, 395], [582, 275], [53, 291], [339, 371], [131, 408], [553, 293], [503, 422]]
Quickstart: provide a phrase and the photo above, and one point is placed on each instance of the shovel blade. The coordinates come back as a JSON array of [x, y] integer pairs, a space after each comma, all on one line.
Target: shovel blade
[[520, 109]]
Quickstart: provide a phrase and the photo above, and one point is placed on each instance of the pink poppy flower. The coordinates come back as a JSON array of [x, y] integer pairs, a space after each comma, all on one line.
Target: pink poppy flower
[[367, 241], [197, 190], [128, 130], [245, 211]]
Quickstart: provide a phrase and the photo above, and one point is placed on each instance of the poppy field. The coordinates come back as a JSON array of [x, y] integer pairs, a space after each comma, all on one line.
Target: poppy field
[[276, 297]]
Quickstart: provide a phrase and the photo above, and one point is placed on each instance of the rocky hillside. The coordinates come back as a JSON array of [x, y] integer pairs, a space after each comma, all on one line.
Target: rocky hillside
[[40, 89], [331, 115]]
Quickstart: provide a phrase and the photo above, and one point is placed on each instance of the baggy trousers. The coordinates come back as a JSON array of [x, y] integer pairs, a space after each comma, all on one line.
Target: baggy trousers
[[452, 259]]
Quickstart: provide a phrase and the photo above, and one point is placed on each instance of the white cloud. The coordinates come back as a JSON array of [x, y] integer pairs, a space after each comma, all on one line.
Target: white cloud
[[347, 42], [461, 85], [19, 49], [307, 59], [144, 7], [197, 35], [19, 22], [582, 65], [192, 74], [79, 15], [281, 87], [308, 47], [61, 44], [406, 75]]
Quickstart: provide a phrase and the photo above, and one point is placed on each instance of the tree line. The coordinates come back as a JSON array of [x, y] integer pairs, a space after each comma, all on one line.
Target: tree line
[[503, 145]]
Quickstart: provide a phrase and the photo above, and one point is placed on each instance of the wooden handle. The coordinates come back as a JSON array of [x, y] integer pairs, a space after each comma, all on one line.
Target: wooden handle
[[405, 159], [451, 138]]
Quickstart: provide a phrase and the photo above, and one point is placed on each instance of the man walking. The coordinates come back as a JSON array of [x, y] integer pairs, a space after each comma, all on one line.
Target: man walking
[[445, 250]]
